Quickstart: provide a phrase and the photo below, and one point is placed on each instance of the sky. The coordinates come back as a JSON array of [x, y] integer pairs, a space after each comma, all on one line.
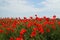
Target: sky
[[26, 8]]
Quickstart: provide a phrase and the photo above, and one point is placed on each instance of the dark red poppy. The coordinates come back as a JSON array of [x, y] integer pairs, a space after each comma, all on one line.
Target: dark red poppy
[[54, 17], [25, 18], [31, 17], [36, 15], [44, 17]]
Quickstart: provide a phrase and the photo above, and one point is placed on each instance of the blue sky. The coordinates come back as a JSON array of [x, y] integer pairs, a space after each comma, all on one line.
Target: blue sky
[[22, 8]]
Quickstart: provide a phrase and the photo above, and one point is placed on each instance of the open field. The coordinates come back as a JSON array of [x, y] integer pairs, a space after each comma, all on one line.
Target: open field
[[30, 28]]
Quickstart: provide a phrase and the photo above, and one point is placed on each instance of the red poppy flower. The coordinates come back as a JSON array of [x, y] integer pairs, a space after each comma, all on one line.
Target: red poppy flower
[[18, 38], [48, 30], [35, 29], [58, 23], [13, 25], [1, 31], [22, 31], [33, 34], [3, 24], [40, 29], [54, 17], [8, 29], [11, 38], [51, 22], [53, 27], [29, 24]]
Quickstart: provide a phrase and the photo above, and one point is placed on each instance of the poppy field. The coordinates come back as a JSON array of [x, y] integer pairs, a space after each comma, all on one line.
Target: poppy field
[[38, 28]]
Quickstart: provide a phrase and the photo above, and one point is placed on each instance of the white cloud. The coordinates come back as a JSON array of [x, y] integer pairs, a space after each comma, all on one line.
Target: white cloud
[[51, 5], [20, 6]]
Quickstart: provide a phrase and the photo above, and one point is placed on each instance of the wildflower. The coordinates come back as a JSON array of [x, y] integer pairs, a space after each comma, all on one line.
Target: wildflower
[[44, 17], [31, 17], [40, 29], [35, 29], [53, 27], [58, 23], [51, 22], [11, 38], [13, 25], [36, 15], [8, 29], [54, 17], [47, 19], [3, 24], [1, 31], [33, 34], [29, 24], [18, 38], [22, 31], [25, 18], [48, 30]]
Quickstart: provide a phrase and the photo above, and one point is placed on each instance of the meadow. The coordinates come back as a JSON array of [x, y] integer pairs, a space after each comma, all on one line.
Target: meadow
[[38, 28]]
